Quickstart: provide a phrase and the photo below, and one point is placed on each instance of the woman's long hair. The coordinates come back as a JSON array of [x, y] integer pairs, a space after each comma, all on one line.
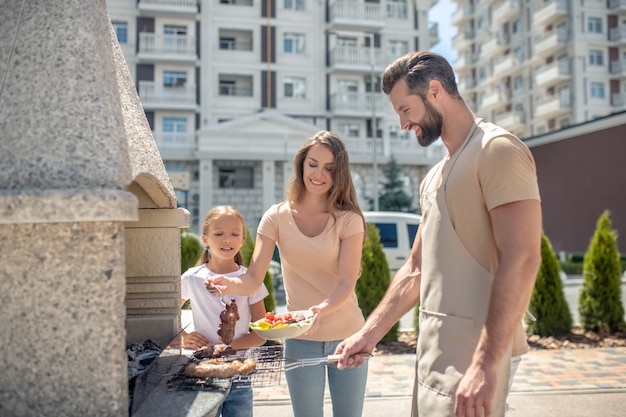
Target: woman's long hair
[[342, 195]]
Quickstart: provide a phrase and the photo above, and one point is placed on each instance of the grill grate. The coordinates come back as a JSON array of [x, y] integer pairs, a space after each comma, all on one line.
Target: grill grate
[[269, 365]]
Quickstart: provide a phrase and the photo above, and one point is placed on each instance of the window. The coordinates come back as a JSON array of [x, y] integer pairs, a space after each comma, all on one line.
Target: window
[[174, 78], [348, 130], [346, 41], [294, 4], [396, 9], [595, 57], [174, 30], [397, 48], [388, 234], [227, 43], [174, 129], [597, 90], [121, 30], [236, 177], [295, 87], [347, 86], [517, 26], [293, 43], [518, 83], [594, 25]]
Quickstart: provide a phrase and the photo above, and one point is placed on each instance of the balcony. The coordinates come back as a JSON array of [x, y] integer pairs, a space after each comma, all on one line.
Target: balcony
[[157, 96], [235, 40], [494, 99], [466, 84], [512, 120], [463, 14], [618, 34], [403, 150], [551, 42], [355, 16], [495, 46], [554, 106], [358, 104], [465, 60], [507, 64], [175, 141], [617, 5], [189, 7], [555, 10], [506, 11], [618, 68], [167, 47], [356, 58], [433, 33], [553, 73], [618, 101], [463, 39]]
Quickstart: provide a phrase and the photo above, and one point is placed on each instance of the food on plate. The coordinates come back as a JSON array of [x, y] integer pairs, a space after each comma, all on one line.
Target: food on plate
[[228, 320], [216, 368], [278, 321]]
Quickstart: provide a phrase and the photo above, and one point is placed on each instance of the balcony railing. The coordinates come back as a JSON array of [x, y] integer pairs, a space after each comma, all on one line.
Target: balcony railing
[[175, 45], [181, 6], [548, 42], [617, 34], [356, 56], [153, 94], [617, 4], [553, 11], [361, 150], [356, 11], [175, 141], [618, 67], [556, 71], [511, 120], [506, 10], [555, 105], [358, 103]]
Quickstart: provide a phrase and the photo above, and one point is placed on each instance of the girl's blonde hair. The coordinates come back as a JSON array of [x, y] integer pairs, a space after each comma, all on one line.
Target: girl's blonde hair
[[216, 213], [341, 195]]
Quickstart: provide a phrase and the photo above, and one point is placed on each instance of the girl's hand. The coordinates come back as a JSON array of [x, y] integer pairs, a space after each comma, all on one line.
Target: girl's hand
[[193, 340]]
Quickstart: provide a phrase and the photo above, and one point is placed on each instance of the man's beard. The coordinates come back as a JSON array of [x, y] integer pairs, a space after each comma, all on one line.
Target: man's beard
[[430, 126]]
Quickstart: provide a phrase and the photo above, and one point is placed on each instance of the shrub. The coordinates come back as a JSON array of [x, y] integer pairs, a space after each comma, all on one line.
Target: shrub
[[246, 253], [548, 302], [374, 280], [600, 305], [190, 250]]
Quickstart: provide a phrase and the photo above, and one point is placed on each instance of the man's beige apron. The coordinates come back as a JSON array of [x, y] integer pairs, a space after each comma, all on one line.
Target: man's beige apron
[[455, 293]]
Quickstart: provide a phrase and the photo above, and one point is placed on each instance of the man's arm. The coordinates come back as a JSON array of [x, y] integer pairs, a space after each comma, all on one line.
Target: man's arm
[[517, 230], [401, 296]]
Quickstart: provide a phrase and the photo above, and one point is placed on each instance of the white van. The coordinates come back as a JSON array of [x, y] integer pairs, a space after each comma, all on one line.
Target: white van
[[397, 233]]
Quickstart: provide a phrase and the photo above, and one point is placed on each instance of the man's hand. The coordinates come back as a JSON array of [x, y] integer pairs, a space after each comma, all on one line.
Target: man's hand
[[475, 392], [350, 349]]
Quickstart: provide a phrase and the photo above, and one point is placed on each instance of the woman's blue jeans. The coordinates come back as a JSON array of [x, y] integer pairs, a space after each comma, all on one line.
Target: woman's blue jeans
[[307, 384]]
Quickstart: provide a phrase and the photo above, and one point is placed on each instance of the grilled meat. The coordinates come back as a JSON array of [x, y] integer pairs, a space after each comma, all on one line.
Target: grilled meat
[[228, 320]]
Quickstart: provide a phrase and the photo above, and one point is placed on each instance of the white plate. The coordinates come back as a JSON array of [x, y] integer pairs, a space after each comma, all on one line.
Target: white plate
[[289, 332]]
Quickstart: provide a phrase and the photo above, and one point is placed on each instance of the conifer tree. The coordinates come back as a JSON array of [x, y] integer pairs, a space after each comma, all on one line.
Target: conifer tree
[[393, 196], [190, 250], [548, 302], [246, 254], [374, 280], [600, 302]]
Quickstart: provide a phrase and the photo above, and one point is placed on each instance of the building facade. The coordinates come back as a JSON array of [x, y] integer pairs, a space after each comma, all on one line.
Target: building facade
[[537, 66], [232, 88]]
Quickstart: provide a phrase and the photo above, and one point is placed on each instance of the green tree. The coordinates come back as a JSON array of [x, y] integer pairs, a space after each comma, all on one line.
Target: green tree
[[548, 302], [246, 253], [190, 250], [393, 196], [374, 280], [600, 305]]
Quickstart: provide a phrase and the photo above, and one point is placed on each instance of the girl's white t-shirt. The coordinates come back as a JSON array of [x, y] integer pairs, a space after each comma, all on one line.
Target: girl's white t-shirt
[[206, 308]]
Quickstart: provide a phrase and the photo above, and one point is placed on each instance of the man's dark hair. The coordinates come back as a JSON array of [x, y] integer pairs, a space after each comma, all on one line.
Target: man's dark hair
[[418, 69]]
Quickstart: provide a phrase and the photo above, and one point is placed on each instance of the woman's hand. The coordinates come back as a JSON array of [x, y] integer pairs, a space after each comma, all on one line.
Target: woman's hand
[[218, 285]]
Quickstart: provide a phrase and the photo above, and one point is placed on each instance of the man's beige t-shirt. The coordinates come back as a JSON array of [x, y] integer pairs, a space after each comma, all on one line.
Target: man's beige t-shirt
[[311, 267], [493, 169]]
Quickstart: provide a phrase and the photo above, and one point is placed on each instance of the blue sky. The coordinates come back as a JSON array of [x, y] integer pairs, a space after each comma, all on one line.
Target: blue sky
[[442, 13]]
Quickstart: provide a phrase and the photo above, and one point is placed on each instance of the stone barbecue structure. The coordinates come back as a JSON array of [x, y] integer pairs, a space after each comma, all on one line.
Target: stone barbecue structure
[[89, 229]]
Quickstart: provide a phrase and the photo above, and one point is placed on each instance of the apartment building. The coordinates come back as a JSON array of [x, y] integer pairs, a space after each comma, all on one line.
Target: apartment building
[[232, 88], [536, 66]]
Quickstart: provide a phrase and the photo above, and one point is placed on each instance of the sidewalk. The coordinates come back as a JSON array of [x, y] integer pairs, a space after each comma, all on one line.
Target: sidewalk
[[589, 382]]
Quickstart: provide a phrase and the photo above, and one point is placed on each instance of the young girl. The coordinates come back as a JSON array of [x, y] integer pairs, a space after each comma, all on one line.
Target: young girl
[[223, 234], [319, 230]]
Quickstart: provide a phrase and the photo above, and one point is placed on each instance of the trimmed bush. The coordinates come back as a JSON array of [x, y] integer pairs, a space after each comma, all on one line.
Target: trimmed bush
[[600, 303], [190, 249], [548, 302], [246, 253], [374, 280]]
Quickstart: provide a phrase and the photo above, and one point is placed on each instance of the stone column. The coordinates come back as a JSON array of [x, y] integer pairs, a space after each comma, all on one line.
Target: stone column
[[74, 139]]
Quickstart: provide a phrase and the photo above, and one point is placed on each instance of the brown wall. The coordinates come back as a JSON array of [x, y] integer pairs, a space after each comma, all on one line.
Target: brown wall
[[579, 178]]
